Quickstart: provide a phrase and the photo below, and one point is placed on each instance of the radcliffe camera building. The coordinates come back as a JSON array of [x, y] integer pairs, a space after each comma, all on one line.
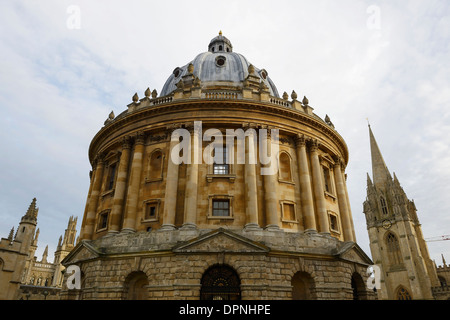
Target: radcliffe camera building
[[155, 228]]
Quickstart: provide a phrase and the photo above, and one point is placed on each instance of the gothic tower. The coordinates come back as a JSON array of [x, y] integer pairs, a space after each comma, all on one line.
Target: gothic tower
[[16, 253], [65, 245], [395, 234]]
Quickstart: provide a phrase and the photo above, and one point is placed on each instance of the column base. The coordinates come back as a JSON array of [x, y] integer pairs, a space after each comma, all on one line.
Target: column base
[[189, 226], [311, 231], [167, 227], [111, 233], [128, 230], [252, 227], [272, 227]]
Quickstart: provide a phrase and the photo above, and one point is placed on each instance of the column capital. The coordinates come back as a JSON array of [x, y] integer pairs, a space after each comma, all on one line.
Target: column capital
[[314, 145], [99, 159], [126, 142], [300, 140], [140, 137], [338, 161]]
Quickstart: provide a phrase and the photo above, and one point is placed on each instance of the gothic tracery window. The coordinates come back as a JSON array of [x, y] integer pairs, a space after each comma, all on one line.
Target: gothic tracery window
[[403, 294], [393, 248]]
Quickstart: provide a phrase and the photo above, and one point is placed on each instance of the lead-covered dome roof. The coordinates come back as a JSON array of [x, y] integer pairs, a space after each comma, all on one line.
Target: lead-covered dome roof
[[220, 67]]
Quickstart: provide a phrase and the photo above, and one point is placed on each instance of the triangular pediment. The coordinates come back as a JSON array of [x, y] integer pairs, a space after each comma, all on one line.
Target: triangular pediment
[[350, 251], [83, 251], [221, 240]]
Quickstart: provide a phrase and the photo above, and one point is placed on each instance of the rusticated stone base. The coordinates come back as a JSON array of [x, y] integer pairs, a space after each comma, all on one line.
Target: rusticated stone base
[[173, 263]]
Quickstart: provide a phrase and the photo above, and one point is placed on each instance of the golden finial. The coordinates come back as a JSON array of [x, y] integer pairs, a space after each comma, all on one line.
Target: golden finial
[[220, 32]]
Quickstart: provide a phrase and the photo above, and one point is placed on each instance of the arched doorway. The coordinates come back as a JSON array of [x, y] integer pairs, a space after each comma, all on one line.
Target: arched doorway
[[220, 282], [136, 286], [302, 286], [358, 287]]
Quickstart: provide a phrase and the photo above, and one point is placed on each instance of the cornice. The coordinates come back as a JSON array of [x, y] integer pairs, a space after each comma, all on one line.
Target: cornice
[[198, 105]]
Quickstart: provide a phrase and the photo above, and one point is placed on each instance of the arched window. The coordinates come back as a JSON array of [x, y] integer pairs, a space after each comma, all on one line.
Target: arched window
[[383, 206], [358, 287], [220, 283], [393, 249], [403, 294], [155, 165], [285, 167], [136, 286], [302, 286]]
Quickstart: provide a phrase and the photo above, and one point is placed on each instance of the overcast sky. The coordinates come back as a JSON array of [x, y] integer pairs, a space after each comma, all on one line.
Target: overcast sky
[[65, 65]]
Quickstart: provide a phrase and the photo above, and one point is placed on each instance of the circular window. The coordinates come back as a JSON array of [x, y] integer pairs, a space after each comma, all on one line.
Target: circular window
[[177, 72], [264, 74], [220, 61]]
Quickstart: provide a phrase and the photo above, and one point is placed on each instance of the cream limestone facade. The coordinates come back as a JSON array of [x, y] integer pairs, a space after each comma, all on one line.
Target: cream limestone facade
[[154, 228], [22, 276]]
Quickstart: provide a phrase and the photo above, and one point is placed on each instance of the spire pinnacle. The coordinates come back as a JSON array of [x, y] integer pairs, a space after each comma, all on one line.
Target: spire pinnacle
[[380, 172], [31, 214]]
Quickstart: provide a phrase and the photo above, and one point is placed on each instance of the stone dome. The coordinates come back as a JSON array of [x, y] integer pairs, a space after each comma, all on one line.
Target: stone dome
[[219, 68]]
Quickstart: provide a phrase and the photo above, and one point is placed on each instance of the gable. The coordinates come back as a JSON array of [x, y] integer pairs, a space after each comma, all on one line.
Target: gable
[[83, 251], [221, 240], [350, 251]]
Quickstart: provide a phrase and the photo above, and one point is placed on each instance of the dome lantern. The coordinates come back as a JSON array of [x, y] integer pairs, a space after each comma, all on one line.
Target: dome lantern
[[220, 44]]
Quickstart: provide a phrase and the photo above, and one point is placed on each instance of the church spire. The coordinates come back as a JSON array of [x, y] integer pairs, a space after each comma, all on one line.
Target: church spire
[[31, 214], [380, 172]]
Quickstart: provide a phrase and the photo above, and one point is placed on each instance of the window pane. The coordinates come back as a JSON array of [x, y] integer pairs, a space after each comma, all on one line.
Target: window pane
[[221, 208]]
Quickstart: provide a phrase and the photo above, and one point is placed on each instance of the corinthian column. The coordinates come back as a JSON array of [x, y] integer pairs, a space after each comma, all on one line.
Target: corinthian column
[[119, 192], [170, 196], [305, 185], [129, 222], [342, 200], [190, 202], [270, 190], [93, 199], [251, 191], [319, 193]]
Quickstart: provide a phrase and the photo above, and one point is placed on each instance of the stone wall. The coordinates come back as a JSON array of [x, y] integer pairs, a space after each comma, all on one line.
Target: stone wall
[[175, 272]]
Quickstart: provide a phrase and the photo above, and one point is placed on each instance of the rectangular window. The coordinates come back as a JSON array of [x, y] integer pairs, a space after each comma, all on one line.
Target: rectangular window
[[103, 221], [334, 222], [150, 211], [327, 179], [221, 208], [221, 165], [111, 176], [151, 208], [289, 211]]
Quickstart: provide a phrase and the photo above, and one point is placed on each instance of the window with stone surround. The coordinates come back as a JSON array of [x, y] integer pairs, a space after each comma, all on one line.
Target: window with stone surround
[[334, 222], [111, 176], [151, 210], [288, 211], [220, 207], [102, 220]]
